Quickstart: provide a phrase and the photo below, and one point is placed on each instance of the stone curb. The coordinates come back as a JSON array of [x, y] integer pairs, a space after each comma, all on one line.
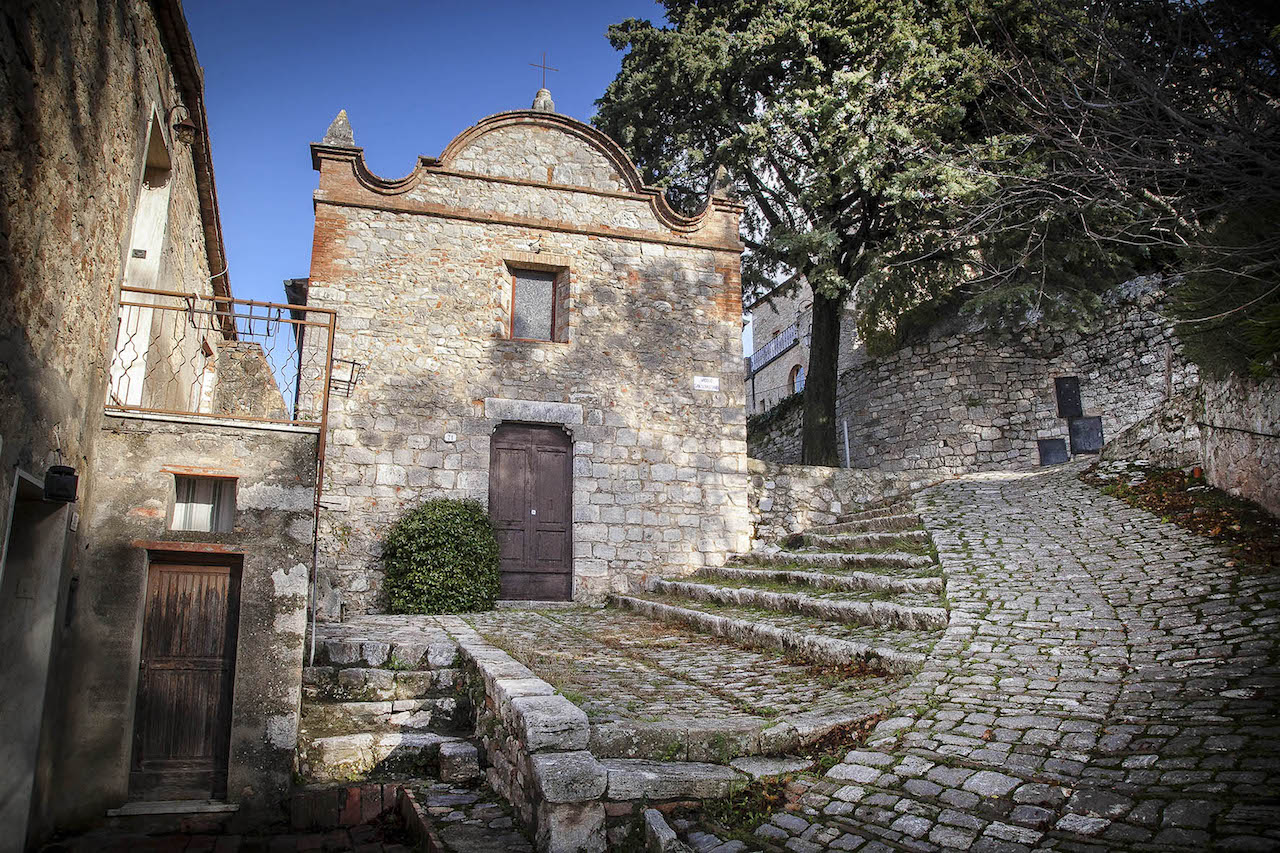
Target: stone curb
[[819, 649], [418, 822], [881, 614], [659, 837], [852, 581], [554, 780], [836, 559]]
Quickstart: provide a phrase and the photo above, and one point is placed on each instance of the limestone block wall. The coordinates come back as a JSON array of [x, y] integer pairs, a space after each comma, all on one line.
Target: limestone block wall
[[1230, 426], [966, 402], [421, 279], [128, 520]]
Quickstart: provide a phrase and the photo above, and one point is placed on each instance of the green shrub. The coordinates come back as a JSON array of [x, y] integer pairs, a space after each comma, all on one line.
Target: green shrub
[[441, 557]]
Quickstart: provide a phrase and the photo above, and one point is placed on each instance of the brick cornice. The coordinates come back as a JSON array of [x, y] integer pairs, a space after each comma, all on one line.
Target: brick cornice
[[401, 204]]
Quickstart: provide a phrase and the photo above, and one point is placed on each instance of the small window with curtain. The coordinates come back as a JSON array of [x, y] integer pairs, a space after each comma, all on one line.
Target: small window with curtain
[[205, 504], [537, 310]]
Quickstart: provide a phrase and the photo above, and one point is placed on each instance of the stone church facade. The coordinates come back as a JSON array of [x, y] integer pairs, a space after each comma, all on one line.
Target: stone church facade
[[527, 320]]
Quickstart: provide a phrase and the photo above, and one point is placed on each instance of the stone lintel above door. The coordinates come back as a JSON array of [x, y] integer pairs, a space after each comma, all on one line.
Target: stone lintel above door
[[532, 411]]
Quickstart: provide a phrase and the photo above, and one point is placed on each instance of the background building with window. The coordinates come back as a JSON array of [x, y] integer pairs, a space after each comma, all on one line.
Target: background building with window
[[538, 331], [781, 323]]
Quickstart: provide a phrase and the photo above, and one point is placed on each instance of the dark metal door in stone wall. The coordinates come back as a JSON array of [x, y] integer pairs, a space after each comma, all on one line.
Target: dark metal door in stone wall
[[531, 504], [182, 725]]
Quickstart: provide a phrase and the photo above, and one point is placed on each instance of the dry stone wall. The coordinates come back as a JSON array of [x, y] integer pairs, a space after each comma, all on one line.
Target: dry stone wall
[[421, 281], [788, 499], [965, 401]]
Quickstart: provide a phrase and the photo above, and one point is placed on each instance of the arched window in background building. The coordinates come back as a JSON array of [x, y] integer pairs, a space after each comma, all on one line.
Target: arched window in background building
[[797, 379]]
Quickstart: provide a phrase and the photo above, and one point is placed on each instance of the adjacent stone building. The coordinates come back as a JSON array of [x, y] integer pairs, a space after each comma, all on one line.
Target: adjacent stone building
[[150, 476], [781, 327], [537, 330]]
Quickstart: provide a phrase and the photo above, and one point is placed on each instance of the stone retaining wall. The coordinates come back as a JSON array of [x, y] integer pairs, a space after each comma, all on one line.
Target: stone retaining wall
[[536, 745], [964, 401], [786, 499], [1230, 426]]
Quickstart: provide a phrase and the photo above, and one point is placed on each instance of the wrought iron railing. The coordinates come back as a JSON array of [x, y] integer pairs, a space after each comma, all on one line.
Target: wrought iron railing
[[188, 354], [773, 348]]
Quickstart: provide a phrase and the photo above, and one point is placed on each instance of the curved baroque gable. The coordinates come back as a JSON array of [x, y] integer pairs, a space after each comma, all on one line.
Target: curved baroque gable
[[542, 147]]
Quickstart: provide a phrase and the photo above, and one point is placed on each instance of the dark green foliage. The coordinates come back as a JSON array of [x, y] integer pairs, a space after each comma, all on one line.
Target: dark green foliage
[[441, 557], [1231, 321]]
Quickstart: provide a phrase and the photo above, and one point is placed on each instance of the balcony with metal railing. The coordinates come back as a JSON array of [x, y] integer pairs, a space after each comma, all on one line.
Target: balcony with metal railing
[[209, 357], [774, 348]]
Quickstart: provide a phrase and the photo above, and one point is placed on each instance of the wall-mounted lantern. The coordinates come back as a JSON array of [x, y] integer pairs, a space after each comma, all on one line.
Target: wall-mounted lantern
[[60, 483], [184, 129]]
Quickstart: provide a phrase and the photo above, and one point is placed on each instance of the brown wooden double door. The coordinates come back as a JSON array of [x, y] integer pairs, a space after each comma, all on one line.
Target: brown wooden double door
[[531, 505], [182, 726]]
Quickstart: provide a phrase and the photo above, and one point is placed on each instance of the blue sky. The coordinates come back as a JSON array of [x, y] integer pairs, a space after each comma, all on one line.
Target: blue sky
[[411, 76]]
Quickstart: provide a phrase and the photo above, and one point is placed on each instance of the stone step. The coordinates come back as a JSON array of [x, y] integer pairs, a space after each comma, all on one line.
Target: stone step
[[860, 540], [837, 559], [898, 508], [417, 651], [888, 523], [370, 755], [876, 613], [853, 581], [438, 714], [362, 684], [758, 629], [642, 779]]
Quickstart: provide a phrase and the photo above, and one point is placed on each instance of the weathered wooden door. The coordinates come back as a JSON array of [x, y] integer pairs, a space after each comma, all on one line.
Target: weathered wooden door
[[182, 727], [531, 504]]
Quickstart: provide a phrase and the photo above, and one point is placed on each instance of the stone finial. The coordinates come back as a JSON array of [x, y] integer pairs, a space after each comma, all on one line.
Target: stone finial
[[339, 133], [722, 186], [542, 101]]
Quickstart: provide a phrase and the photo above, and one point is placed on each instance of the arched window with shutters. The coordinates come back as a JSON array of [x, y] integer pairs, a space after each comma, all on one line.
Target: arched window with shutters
[[796, 379]]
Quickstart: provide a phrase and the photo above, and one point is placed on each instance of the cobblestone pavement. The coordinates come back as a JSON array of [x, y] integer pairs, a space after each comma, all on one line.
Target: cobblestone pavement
[[621, 666], [471, 819], [1108, 681]]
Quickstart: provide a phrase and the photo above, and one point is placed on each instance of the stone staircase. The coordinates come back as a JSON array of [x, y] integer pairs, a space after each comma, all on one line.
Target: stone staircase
[[866, 590], [384, 702]]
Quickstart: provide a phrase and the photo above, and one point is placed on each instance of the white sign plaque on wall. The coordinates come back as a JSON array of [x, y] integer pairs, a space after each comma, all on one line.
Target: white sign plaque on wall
[[706, 383]]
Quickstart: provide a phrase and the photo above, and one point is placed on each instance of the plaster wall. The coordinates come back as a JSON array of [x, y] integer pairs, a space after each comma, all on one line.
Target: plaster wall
[[128, 521]]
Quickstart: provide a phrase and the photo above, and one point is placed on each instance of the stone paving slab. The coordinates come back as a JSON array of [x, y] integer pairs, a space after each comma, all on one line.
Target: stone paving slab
[[471, 819], [630, 673]]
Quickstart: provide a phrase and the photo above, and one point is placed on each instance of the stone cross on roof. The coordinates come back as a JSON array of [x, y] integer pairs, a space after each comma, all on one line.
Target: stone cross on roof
[[542, 101]]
